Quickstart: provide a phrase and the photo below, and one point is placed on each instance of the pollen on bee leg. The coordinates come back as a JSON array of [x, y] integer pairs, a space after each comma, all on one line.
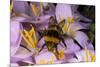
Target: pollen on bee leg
[[61, 55]]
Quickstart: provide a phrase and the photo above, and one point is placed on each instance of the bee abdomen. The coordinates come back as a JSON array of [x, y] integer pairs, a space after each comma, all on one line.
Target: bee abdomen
[[51, 39]]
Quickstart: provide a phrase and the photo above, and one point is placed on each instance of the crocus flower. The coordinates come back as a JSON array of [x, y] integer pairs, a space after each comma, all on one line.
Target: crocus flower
[[22, 54], [16, 38], [71, 27], [85, 55], [25, 44]]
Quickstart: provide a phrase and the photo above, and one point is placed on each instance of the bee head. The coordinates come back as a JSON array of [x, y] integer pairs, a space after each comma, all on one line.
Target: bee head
[[53, 25]]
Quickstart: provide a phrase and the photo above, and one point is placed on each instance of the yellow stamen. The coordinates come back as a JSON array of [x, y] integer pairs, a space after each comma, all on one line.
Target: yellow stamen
[[68, 27], [42, 62], [52, 61], [34, 35], [69, 20], [92, 56], [41, 8], [86, 54], [23, 36], [30, 38], [11, 7], [31, 32], [65, 26], [34, 9]]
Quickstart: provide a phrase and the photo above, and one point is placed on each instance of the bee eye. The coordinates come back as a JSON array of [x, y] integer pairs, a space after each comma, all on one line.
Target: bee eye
[[52, 21]]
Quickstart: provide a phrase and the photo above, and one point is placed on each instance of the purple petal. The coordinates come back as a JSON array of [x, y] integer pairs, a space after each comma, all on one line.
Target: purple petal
[[74, 27], [21, 54], [63, 10], [82, 55], [20, 7], [15, 36], [28, 60], [82, 38], [72, 60], [14, 65], [71, 46], [47, 57], [90, 46]]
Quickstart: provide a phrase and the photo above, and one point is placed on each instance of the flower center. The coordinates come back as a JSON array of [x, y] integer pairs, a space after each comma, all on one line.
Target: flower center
[[93, 57], [70, 20], [27, 36], [90, 54]]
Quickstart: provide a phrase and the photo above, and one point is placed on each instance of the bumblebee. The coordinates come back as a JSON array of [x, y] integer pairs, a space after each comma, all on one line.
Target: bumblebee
[[53, 35]]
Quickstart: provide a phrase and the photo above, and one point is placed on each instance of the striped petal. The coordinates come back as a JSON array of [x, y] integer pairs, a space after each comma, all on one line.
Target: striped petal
[[81, 38], [15, 36], [63, 11]]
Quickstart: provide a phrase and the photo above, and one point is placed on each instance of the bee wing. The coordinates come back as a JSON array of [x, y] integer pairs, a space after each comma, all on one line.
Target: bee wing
[[42, 32], [61, 24]]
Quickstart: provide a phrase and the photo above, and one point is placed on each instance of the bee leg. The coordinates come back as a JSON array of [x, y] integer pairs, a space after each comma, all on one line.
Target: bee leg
[[56, 53], [64, 43], [42, 47], [57, 50]]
